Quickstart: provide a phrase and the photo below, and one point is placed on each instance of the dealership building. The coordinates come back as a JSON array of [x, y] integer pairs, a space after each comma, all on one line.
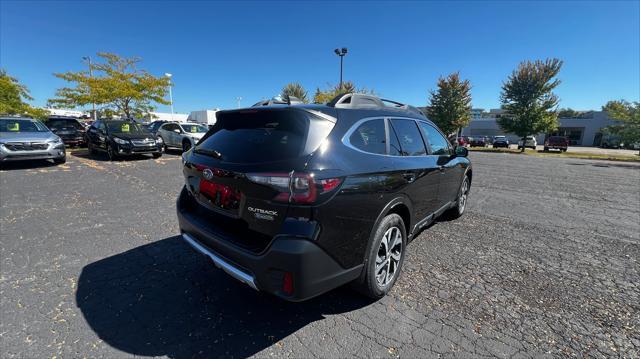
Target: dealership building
[[583, 130]]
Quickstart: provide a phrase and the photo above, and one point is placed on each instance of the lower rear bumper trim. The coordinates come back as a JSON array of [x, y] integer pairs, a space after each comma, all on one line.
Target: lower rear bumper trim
[[221, 263]]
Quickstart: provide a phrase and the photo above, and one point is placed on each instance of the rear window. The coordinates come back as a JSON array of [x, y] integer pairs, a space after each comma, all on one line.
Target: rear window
[[63, 123], [253, 136], [557, 139]]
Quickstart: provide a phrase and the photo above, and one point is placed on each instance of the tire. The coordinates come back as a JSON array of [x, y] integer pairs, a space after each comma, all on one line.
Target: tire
[[186, 146], [461, 201], [111, 154], [546, 149], [90, 148], [380, 262], [60, 161], [157, 155]]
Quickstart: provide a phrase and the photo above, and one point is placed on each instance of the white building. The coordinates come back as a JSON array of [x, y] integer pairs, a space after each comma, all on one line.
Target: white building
[[205, 117], [583, 131], [65, 112], [163, 116]]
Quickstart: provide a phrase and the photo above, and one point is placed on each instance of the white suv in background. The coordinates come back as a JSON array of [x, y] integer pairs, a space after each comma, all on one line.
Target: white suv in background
[[529, 143], [180, 135]]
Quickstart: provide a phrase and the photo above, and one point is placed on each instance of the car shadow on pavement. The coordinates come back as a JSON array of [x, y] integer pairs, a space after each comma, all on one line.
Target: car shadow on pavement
[[164, 299], [26, 165], [102, 157], [173, 152]]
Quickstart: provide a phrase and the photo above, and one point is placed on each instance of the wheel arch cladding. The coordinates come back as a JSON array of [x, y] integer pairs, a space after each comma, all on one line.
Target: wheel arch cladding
[[402, 210]]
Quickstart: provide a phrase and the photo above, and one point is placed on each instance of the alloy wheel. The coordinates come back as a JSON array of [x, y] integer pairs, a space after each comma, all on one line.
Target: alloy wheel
[[464, 192], [389, 256]]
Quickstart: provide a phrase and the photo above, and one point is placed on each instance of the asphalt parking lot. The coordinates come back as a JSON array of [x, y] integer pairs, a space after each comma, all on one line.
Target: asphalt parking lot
[[546, 262]]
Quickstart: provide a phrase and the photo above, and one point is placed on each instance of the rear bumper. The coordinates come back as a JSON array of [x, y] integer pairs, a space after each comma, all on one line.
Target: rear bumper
[[313, 270], [501, 144], [555, 147]]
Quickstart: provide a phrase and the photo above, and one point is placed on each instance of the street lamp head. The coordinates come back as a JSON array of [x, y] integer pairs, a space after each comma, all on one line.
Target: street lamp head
[[344, 50], [337, 51]]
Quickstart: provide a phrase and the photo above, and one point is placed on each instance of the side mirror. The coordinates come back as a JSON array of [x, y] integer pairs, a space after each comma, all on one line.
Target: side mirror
[[461, 151]]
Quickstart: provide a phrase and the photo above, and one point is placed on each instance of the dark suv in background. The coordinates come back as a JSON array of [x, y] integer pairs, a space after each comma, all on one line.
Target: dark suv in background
[[121, 138], [298, 200], [69, 129]]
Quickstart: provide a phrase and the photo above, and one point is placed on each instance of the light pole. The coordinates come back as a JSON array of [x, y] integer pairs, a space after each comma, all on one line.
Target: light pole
[[238, 99], [341, 52], [168, 75], [88, 59]]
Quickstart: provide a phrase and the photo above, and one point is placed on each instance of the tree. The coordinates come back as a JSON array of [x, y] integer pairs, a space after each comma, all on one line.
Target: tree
[[296, 90], [450, 105], [13, 97], [116, 85], [628, 116], [568, 113], [335, 90], [528, 100]]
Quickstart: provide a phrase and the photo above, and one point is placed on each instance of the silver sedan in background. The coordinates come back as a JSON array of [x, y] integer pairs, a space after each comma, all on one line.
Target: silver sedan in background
[[24, 139], [180, 135]]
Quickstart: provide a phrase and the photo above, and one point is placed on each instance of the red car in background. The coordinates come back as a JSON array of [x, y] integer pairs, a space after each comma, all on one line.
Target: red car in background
[[463, 141], [556, 143]]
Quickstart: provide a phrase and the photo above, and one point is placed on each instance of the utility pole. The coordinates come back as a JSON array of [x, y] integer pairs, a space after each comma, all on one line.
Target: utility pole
[[88, 59], [170, 94], [341, 53]]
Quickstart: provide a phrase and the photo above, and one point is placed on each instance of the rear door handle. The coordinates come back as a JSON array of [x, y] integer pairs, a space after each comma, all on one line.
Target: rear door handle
[[409, 176]]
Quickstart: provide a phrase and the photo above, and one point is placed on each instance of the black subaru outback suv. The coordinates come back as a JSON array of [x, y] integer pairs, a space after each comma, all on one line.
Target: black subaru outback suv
[[298, 200]]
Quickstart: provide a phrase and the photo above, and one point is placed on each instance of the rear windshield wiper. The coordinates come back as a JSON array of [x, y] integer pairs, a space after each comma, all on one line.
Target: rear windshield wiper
[[210, 153]]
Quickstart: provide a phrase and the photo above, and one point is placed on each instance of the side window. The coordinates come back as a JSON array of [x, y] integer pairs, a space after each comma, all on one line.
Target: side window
[[439, 144], [101, 126], [409, 136], [370, 137], [394, 143]]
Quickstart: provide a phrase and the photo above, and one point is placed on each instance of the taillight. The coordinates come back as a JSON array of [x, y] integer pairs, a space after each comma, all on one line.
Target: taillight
[[294, 187], [287, 283]]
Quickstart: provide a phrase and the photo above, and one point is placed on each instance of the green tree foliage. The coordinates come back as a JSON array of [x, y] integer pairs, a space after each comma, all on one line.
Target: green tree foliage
[[332, 91], [13, 97], [628, 116], [568, 113], [296, 90], [116, 85], [528, 100], [450, 105]]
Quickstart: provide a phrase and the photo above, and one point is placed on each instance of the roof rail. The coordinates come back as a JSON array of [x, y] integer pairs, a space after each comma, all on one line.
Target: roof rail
[[358, 100], [279, 100]]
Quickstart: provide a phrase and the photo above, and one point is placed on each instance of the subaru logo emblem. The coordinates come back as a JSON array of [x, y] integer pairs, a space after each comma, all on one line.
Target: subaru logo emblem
[[207, 173]]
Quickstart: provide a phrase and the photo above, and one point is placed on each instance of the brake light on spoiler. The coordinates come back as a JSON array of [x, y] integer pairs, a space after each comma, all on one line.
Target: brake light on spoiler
[[295, 187]]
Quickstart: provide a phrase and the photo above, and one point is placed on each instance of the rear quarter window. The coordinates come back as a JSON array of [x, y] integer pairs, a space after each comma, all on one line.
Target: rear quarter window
[[370, 137]]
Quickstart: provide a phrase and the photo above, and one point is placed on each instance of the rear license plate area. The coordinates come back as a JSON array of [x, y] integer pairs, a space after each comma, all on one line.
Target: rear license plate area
[[220, 196]]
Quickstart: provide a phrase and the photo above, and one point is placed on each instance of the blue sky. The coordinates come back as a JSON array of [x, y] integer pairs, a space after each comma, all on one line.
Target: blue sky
[[218, 51]]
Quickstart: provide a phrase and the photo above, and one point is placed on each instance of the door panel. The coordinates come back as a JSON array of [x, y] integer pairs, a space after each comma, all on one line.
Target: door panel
[[413, 167], [450, 178]]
